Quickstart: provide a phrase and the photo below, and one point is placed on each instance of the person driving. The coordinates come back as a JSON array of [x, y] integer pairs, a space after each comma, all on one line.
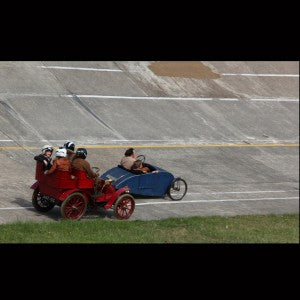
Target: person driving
[[128, 159], [79, 162]]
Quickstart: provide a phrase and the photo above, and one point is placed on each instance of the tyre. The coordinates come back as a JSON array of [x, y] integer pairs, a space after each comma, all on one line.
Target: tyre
[[177, 189], [41, 202], [74, 207], [124, 206]]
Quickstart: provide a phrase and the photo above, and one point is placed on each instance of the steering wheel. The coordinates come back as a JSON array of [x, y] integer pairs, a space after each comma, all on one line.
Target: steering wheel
[[141, 157], [96, 170]]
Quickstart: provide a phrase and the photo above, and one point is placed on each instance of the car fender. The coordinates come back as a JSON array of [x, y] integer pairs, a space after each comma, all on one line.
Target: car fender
[[115, 196], [122, 190], [65, 194], [35, 185]]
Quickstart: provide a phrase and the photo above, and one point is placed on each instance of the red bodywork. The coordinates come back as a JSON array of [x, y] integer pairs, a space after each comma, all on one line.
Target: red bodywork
[[60, 184]]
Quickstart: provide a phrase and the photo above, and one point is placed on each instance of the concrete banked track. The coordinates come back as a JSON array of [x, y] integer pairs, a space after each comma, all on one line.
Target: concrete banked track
[[232, 136]]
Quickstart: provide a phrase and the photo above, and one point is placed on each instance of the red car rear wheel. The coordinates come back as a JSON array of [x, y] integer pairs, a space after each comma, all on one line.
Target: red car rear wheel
[[74, 206], [41, 202], [124, 206]]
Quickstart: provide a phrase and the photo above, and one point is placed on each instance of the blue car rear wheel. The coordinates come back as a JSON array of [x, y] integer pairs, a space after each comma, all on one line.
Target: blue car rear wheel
[[177, 189]]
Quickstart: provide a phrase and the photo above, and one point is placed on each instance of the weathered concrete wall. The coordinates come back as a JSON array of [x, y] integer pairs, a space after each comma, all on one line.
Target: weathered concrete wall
[[41, 105]]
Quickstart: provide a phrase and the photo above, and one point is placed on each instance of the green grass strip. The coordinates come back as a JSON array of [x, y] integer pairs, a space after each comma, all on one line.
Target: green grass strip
[[214, 229]]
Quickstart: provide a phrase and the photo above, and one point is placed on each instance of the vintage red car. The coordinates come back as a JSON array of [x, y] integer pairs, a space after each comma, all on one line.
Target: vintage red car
[[74, 192]]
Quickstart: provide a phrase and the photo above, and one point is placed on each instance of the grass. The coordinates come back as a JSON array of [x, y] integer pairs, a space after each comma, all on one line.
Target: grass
[[215, 229]]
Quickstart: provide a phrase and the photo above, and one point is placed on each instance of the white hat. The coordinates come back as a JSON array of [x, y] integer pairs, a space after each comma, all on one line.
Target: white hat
[[47, 148], [61, 152]]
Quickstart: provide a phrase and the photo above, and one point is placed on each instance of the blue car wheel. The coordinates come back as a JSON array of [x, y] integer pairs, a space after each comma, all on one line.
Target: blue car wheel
[[177, 189]]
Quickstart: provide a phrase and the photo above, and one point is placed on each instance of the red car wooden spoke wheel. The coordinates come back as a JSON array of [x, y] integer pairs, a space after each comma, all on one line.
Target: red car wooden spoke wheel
[[124, 206], [74, 206], [41, 202]]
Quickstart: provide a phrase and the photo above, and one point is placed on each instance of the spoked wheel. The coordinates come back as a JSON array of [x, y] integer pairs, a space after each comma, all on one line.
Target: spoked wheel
[[41, 202], [177, 189], [124, 206], [74, 206]]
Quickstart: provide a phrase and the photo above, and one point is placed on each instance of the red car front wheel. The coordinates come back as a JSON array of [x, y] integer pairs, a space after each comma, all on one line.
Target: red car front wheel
[[124, 206]]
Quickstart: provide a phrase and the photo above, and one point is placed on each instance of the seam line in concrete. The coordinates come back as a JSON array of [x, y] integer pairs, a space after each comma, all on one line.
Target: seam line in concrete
[[178, 202], [158, 146], [79, 68]]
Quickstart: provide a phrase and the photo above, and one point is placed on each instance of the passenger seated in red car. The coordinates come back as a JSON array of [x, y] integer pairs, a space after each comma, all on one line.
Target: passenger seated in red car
[[70, 146], [61, 163], [45, 157]]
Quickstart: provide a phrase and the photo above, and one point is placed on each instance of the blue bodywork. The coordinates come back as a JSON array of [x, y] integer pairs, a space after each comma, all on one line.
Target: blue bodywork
[[150, 184]]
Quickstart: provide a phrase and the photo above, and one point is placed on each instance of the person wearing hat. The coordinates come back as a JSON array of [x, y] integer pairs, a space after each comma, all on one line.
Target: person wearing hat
[[62, 163], [45, 157], [70, 146], [79, 162]]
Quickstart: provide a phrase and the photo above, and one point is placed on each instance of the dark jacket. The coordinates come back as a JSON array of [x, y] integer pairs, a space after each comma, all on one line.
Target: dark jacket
[[46, 161], [83, 165]]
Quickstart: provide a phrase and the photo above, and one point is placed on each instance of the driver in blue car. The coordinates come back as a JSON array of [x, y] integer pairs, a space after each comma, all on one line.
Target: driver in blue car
[[131, 163], [128, 159]]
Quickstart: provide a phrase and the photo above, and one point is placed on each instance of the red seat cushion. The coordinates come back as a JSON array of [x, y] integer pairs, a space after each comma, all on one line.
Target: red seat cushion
[[62, 174], [83, 182], [39, 172], [61, 180], [79, 174]]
